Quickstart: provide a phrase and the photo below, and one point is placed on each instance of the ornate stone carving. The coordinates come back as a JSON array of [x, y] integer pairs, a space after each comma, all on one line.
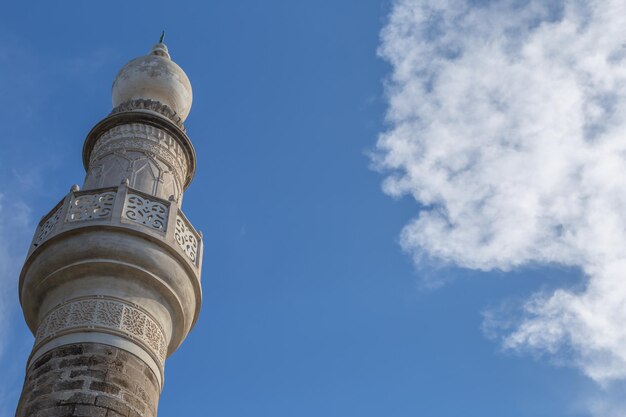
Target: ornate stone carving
[[147, 104], [186, 238], [46, 228], [108, 314], [143, 138], [146, 211], [91, 206]]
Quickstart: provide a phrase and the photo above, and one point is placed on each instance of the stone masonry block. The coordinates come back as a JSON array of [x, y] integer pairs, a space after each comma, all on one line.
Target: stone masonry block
[[89, 379], [89, 411]]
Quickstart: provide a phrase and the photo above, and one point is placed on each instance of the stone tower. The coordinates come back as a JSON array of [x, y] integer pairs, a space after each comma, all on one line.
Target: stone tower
[[111, 283]]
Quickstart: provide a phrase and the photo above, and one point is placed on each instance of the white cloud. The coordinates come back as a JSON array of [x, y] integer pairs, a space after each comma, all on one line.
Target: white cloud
[[507, 124], [26, 97], [15, 225]]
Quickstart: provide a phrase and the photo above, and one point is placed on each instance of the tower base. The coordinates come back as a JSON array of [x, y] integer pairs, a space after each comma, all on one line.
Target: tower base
[[89, 379]]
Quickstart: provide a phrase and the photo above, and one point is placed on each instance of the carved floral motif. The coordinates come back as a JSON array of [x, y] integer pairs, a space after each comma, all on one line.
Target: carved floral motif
[[46, 228], [106, 313], [91, 206], [147, 104], [147, 212], [186, 238]]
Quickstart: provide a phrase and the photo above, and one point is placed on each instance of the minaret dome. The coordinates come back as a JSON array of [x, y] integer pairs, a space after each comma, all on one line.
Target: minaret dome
[[154, 77]]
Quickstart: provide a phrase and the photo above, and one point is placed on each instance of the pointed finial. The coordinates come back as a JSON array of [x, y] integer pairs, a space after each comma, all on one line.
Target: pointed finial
[[162, 36]]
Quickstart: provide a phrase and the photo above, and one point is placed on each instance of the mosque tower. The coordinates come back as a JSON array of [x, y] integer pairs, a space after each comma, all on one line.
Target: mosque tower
[[111, 283]]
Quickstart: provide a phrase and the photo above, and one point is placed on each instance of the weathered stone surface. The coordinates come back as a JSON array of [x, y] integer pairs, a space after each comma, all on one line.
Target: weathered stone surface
[[111, 283], [154, 76], [88, 379]]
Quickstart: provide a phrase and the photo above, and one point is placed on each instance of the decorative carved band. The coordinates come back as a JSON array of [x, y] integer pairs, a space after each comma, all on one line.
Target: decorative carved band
[[146, 211], [186, 238], [143, 138], [108, 314], [147, 104], [91, 206]]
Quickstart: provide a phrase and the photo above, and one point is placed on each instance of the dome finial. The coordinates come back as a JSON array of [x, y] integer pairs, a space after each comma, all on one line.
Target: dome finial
[[162, 36]]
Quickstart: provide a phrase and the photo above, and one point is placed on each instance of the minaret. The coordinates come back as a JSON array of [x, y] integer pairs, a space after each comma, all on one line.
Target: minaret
[[111, 283]]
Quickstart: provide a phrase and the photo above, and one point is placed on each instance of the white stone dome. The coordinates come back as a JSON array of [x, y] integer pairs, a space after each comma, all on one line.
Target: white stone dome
[[154, 77]]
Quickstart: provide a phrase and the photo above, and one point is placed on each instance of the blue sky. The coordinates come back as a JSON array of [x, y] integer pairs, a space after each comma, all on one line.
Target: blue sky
[[322, 293]]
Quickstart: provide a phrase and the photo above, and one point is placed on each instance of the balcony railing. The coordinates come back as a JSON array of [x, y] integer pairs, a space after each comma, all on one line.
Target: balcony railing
[[127, 208]]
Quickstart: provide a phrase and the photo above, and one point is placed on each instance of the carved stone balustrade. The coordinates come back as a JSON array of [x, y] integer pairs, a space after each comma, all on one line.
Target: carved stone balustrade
[[126, 208]]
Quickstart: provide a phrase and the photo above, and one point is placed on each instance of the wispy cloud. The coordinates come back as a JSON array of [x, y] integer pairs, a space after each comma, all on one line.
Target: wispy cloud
[[606, 402], [15, 226], [25, 126], [507, 125]]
